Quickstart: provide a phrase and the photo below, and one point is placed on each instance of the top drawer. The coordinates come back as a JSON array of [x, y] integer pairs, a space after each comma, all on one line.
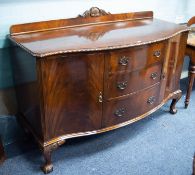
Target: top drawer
[[135, 58]]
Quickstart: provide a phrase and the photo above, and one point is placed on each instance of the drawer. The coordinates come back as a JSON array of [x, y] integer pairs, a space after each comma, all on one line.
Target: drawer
[[135, 58], [125, 83], [118, 111]]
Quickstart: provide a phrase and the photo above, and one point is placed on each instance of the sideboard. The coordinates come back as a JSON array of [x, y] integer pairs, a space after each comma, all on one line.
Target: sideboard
[[94, 73]]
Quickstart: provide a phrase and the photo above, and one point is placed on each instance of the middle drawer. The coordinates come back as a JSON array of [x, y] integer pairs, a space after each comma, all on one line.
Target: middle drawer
[[125, 83]]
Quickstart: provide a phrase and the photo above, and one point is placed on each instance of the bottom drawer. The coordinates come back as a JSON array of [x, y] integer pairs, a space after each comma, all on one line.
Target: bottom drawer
[[118, 111]]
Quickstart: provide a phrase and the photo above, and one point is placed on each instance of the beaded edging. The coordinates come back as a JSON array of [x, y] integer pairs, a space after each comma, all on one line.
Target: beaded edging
[[96, 49]]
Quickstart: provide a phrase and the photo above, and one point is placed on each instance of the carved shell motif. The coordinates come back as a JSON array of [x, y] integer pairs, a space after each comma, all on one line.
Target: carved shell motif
[[94, 12]]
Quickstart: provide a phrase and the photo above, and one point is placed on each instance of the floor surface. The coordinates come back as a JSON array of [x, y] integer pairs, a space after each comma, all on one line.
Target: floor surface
[[161, 144]]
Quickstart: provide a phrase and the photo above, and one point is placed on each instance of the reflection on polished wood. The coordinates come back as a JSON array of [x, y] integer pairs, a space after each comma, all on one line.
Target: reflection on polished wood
[[95, 73], [190, 51], [119, 31]]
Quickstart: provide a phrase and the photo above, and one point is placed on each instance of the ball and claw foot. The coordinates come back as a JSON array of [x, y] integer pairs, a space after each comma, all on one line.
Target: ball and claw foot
[[47, 168], [173, 110], [186, 105]]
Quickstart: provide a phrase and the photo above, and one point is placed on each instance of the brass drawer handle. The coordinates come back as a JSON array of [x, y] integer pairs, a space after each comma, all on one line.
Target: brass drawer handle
[[122, 85], [120, 112], [123, 61], [154, 75], [157, 53], [100, 97], [151, 100]]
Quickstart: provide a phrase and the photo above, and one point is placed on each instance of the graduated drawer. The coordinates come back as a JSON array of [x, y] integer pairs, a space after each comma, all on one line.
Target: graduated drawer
[[125, 83], [119, 111], [134, 58]]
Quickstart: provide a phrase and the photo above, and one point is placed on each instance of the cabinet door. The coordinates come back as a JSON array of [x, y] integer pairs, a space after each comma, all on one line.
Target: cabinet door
[[174, 62], [71, 88]]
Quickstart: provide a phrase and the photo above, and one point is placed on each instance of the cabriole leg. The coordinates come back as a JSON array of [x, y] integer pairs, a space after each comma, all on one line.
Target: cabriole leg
[[190, 83], [176, 98], [48, 166]]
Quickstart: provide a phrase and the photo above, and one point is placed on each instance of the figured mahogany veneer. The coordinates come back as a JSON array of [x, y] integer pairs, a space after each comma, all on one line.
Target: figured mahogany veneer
[[94, 73], [121, 84], [136, 58], [119, 111]]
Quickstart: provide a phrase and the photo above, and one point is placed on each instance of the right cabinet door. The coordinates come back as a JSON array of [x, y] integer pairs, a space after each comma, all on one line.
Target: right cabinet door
[[173, 63]]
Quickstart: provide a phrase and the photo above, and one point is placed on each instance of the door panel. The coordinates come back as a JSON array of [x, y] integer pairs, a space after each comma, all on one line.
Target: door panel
[[71, 86]]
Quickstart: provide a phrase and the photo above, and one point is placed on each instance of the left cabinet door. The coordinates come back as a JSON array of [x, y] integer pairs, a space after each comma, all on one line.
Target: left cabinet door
[[71, 85]]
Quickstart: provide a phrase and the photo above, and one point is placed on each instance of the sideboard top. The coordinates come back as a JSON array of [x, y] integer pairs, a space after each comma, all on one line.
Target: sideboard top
[[94, 30]]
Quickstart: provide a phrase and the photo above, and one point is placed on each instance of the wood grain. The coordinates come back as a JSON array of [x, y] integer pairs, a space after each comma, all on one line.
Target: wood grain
[[71, 86], [137, 57], [65, 23], [96, 74], [96, 36], [134, 105], [143, 79]]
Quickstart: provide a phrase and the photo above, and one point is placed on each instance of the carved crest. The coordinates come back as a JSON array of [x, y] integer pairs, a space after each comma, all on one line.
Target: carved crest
[[94, 12]]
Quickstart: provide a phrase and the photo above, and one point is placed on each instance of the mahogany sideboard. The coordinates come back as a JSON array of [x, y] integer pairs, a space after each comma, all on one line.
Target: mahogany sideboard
[[95, 73]]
